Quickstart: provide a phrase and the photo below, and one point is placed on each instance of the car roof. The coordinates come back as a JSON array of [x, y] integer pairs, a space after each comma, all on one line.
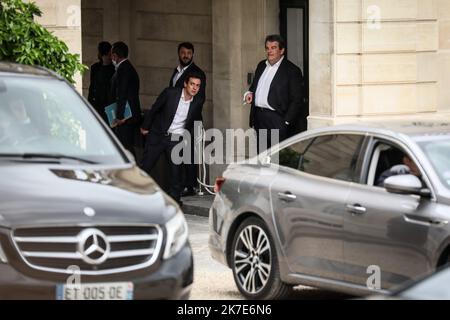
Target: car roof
[[409, 128], [15, 68]]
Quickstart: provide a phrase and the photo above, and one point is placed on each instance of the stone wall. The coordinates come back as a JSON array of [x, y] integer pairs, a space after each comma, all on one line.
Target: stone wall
[[63, 19], [369, 59], [385, 59], [443, 55]]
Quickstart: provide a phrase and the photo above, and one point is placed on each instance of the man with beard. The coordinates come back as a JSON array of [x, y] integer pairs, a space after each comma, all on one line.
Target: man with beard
[[178, 79], [187, 66]]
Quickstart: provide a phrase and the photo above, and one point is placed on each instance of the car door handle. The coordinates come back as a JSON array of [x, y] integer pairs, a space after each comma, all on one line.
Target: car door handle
[[356, 209], [424, 221], [287, 196]]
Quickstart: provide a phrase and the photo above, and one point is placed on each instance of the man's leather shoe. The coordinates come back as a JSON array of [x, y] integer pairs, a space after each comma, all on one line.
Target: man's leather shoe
[[187, 192]]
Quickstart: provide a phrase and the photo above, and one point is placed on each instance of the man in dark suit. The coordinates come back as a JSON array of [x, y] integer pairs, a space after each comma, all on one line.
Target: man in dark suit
[[125, 88], [101, 75], [187, 66], [276, 94], [174, 112]]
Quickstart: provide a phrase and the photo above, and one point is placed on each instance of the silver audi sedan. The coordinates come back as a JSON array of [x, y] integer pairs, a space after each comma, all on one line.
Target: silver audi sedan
[[355, 208]]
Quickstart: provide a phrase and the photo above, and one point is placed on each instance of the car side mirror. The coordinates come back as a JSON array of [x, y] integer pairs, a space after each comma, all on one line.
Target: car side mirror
[[265, 160], [407, 184]]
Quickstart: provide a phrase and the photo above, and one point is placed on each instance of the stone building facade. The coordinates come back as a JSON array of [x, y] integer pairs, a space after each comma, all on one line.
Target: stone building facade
[[368, 59]]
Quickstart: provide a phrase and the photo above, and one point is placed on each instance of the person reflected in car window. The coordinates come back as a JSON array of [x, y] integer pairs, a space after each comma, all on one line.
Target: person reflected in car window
[[407, 167], [19, 111], [20, 126]]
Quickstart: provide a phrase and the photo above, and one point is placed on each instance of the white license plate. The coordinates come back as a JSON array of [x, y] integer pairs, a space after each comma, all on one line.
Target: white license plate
[[95, 291]]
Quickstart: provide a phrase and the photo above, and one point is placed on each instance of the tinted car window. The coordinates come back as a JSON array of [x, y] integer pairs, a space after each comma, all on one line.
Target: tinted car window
[[333, 156], [291, 155], [46, 116]]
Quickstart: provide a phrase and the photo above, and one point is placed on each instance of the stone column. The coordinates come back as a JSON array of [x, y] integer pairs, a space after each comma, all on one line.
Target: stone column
[[239, 30], [443, 13], [321, 68]]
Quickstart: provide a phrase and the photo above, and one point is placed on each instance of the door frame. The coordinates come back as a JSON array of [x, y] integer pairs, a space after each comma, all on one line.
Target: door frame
[[300, 4]]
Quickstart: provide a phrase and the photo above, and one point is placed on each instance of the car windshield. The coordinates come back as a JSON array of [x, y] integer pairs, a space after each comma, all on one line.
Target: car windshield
[[45, 118], [437, 150]]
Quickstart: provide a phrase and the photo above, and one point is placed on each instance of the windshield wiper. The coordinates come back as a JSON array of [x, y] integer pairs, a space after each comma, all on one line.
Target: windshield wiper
[[48, 156]]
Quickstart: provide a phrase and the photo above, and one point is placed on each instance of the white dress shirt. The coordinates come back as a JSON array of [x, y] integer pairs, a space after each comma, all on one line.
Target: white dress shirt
[[118, 65], [179, 121], [179, 74], [262, 91]]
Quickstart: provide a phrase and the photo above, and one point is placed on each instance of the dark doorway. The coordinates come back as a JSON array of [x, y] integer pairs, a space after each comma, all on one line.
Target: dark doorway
[[294, 27]]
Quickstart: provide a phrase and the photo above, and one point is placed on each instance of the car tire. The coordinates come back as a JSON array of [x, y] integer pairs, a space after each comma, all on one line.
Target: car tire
[[255, 264]]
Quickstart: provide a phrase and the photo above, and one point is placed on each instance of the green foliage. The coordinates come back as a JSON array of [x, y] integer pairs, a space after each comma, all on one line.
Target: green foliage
[[22, 40]]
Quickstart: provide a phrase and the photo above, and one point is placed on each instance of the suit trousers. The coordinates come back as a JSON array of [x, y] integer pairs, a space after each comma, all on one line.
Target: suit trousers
[[191, 169], [151, 155], [269, 120], [126, 133]]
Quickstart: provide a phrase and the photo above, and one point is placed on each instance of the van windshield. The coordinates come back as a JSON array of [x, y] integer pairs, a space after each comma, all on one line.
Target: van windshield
[[40, 116]]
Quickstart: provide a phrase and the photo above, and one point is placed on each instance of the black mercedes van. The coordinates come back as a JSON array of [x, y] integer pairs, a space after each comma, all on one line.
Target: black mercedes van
[[78, 219]]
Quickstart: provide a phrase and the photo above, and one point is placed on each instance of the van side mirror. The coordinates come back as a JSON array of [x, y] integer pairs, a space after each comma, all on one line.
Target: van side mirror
[[406, 184]]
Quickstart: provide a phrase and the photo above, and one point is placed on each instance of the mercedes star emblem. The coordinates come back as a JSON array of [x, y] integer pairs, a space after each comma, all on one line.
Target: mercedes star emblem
[[94, 247], [89, 212]]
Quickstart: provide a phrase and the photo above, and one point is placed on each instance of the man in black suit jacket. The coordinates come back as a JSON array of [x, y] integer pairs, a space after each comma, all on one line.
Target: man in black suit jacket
[[125, 88], [187, 66], [100, 84], [174, 111], [276, 94]]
